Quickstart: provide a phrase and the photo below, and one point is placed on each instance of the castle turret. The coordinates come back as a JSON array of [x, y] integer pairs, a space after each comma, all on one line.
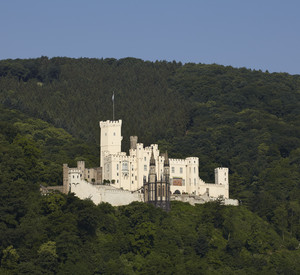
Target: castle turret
[[222, 178], [133, 142]]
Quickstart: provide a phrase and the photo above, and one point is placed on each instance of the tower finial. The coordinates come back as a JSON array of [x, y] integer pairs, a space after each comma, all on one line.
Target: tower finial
[[152, 159]]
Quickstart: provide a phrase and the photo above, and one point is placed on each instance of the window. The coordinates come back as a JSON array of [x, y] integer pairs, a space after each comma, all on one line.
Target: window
[[117, 167], [105, 134], [145, 158], [114, 133], [190, 181], [117, 174], [194, 169], [73, 177], [181, 170], [195, 182], [132, 182], [225, 179], [173, 169], [117, 181], [145, 167], [125, 166]]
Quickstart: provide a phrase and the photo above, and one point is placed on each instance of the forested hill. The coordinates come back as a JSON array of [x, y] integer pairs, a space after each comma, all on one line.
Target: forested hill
[[246, 120]]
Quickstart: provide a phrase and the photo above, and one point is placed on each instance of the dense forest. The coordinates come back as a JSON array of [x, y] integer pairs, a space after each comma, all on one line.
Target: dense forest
[[243, 119]]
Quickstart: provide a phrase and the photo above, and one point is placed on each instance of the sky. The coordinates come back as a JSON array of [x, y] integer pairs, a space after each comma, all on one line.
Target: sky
[[256, 34]]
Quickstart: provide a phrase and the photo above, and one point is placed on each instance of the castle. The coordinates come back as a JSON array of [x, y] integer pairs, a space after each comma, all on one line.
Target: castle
[[120, 178]]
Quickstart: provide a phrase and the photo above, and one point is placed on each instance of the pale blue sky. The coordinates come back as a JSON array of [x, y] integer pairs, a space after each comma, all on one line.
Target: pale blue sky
[[257, 34]]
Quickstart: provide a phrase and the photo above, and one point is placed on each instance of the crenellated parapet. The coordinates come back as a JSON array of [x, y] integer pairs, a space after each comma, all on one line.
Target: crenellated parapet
[[74, 171], [110, 123], [178, 161], [192, 160]]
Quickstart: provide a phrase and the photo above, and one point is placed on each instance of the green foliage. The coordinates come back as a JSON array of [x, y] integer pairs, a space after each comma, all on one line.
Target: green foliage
[[10, 258], [246, 120]]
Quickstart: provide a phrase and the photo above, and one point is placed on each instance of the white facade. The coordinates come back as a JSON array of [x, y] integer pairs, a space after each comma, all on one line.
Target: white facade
[[127, 172], [100, 193]]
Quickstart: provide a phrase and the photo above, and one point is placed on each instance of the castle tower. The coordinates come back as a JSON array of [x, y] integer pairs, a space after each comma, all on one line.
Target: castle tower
[[133, 142], [192, 174], [110, 138], [222, 178]]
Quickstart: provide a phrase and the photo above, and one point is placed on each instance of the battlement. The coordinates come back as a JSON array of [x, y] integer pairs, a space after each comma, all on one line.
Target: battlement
[[192, 160], [119, 157], [221, 168], [178, 161], [151, 147], [74, 170], [109, 123]]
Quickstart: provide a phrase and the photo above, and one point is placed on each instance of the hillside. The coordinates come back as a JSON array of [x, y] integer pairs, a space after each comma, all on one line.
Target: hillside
[[243, 119], [61, 234]]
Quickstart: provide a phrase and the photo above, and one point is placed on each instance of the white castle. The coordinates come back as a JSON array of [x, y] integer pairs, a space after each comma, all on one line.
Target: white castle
[[119, 179]]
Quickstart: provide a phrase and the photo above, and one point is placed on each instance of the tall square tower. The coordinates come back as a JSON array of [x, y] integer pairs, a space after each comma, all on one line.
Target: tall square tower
[[110, 138]]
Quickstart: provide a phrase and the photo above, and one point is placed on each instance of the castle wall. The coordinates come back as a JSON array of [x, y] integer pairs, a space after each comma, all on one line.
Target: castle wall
[[102, 193], [194, 199], [213, 190]]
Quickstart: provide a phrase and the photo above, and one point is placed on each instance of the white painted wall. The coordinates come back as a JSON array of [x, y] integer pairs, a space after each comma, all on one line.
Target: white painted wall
[[101, 193]]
